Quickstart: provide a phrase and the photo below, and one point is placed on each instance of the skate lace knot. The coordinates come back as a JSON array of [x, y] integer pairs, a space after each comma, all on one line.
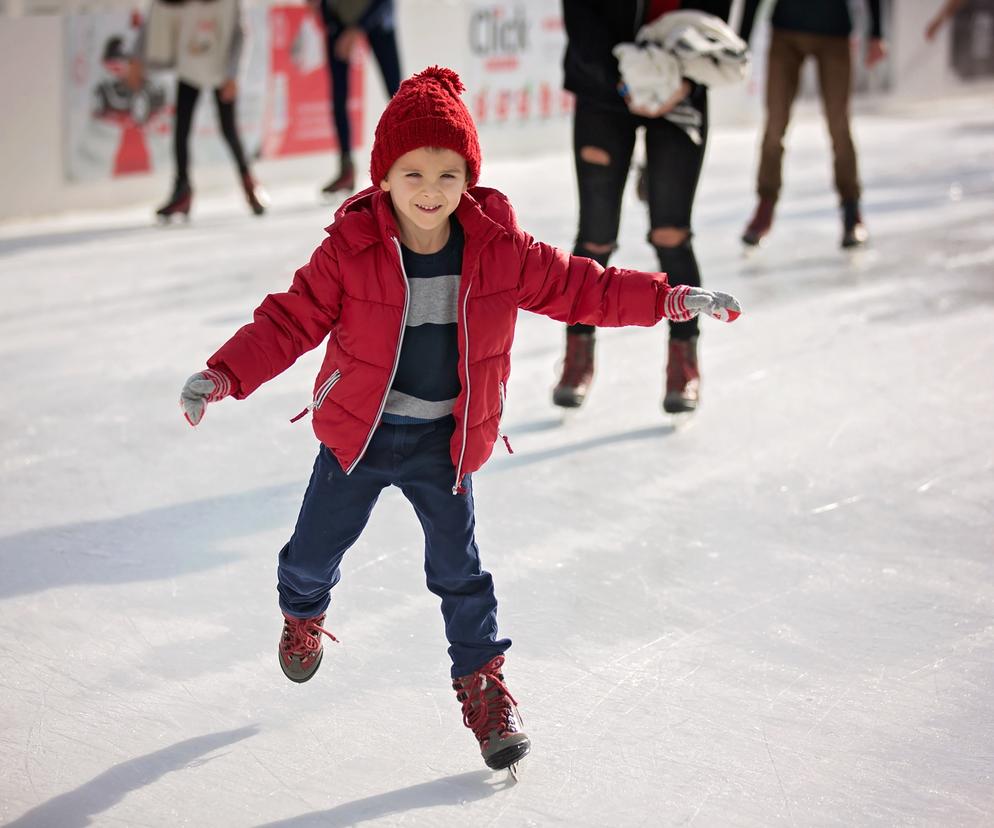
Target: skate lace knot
[[301, 636], [487, 704]]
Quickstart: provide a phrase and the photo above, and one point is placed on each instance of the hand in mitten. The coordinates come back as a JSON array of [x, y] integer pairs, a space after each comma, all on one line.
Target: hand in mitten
[[206, 387], [683, 302]]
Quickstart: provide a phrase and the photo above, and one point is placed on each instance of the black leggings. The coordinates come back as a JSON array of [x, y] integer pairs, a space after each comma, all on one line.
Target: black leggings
[[673, 167], [383, 42], [186, 102]]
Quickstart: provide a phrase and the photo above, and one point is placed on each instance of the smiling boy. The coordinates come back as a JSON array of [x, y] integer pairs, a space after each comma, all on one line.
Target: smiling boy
[[419, 283]]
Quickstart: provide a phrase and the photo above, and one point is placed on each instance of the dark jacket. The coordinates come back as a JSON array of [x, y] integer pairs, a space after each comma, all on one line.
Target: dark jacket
[[594, 27], [822, 17]]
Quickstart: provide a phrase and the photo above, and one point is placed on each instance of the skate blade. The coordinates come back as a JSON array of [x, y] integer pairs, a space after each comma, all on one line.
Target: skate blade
[[513, 772], [172, 218]]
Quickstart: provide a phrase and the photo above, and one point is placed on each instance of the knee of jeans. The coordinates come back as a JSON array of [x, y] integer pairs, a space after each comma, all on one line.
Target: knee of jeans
[[595, 155], [669, 236], [597, 249]]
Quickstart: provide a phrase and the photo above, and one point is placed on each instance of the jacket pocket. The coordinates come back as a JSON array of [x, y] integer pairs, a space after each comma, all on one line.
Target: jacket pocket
[[320, 395], [324, 389]]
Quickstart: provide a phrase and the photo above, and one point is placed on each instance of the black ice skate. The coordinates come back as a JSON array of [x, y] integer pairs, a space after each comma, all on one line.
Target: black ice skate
[[178, 204], [854, 234]]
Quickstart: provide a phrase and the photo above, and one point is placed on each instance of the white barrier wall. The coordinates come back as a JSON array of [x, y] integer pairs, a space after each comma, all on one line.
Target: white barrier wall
[[507, 51]]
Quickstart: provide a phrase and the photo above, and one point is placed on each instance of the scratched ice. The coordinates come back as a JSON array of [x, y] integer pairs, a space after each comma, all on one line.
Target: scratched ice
[[781, 612]]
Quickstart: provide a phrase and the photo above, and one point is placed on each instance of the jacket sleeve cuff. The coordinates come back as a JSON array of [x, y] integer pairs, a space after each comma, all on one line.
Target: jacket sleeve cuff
[[673, 305]]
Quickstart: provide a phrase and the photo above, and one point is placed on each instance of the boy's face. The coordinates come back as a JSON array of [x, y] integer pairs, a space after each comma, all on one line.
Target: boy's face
[[425, 186]]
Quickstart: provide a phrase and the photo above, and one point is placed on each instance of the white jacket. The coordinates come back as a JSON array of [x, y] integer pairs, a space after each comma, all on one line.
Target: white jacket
[[681, 44], [201, 40]]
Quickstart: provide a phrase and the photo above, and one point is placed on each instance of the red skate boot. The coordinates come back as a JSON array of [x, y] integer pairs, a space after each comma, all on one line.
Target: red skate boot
[[760, 224], [254, 194], [578, 371], [683, 377], [490, 711], [300, 646]]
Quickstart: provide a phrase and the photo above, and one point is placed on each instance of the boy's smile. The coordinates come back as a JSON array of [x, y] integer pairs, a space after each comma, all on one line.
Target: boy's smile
[[425, 187]]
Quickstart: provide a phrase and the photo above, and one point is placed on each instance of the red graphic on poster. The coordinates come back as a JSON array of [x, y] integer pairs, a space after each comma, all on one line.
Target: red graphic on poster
[[298, 111]]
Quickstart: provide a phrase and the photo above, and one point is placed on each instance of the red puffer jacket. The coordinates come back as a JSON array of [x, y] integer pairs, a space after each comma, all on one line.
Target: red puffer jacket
[[354, 289]]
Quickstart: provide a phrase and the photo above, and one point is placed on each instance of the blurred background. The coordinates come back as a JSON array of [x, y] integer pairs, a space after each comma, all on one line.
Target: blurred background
[[75, 136]]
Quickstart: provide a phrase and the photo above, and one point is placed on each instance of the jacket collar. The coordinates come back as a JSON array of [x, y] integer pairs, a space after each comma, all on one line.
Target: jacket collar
[[367, 218]]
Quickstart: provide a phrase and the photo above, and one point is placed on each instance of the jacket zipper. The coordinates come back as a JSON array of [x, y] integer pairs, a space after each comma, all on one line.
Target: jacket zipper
[[320, 394], [503, 398], [396, 358], [465, 418]]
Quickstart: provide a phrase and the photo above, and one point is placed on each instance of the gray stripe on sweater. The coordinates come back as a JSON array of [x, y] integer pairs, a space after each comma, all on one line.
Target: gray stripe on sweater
[[434, 301], [405, 405]]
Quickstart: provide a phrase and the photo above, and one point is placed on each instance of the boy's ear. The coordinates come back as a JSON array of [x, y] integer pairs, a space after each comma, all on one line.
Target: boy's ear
[[385, 186]]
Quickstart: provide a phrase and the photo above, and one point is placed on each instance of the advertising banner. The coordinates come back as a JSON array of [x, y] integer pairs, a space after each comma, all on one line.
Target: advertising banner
[[298, 103], [514, 69]]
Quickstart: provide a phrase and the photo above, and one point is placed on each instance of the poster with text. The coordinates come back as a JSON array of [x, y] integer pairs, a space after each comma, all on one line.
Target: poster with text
[[515, 73]]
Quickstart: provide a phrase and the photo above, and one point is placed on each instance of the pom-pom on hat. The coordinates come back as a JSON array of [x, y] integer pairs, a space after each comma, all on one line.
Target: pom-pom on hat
[[426, 112]]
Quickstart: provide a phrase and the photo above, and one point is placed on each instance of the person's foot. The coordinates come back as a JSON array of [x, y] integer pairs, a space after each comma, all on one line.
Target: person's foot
[[490, 711], [254, 194], [683, 378], [760, 224], [578, 370], [854, 234], [179, 202], [301, 649], [344, 182]]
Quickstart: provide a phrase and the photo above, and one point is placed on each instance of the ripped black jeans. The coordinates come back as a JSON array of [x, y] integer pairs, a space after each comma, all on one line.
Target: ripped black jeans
[[673, 167]]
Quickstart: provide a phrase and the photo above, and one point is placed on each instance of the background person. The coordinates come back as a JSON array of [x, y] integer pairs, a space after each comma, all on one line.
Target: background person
[[202, 40], [819, 29], [345, 23], [605, 125]]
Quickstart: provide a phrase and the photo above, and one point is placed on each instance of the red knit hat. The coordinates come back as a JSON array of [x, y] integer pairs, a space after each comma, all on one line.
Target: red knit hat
[[426, 112]]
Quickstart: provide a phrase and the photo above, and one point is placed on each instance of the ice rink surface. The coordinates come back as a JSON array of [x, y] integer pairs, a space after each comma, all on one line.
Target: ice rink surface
[[780, 612]]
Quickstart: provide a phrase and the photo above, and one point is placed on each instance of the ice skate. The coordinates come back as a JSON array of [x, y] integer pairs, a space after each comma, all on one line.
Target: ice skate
[[344, 183], [179, 203], [854, 234], [301, 649], [760, 224], [683, 377], [256, 197], [578, 371], [490, 711]]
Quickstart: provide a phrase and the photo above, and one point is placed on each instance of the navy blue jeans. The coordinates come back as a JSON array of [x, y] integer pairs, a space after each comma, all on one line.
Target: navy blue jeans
[[336, 508]]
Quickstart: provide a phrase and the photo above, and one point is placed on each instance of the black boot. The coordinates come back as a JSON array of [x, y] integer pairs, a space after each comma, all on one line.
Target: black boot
[[179, 202], [853, 232]]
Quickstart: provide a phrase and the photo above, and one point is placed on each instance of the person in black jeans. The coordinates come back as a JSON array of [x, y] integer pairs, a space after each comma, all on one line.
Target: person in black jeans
[[344, 22], [203, 42], [604, 133]]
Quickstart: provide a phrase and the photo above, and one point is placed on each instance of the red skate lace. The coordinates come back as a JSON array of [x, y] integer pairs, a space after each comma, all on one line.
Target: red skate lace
[[480, 714], [298, 638]]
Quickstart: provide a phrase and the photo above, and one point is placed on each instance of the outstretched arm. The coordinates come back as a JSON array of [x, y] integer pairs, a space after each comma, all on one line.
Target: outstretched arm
[[574, 289], [285, 326]]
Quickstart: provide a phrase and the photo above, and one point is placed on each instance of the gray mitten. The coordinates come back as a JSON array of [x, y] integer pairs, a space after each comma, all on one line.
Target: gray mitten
[[208, 386], [721, 306]]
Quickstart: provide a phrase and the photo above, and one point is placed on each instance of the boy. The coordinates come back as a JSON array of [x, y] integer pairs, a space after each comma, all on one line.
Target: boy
[[418, 284]]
